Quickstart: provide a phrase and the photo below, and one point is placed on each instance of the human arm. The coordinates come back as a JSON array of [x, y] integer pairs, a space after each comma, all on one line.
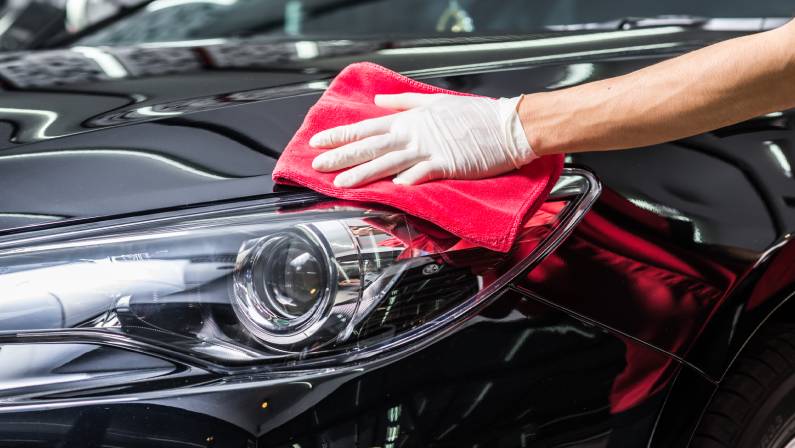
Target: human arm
[[443, 136], [706, 89]]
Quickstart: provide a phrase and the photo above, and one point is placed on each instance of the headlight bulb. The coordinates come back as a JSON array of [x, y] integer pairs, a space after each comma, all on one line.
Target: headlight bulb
[[291, 277], [294, 287]]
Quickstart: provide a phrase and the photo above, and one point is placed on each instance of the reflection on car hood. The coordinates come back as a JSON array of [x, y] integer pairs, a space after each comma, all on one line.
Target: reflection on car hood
[[96, 132]]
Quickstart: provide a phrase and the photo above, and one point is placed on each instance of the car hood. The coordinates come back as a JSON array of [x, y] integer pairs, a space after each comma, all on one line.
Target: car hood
[[100, 132]]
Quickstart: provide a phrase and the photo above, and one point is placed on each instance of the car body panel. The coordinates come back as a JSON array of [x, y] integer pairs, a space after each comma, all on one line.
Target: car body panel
[[648, 285], [501, 380], [199, 125]]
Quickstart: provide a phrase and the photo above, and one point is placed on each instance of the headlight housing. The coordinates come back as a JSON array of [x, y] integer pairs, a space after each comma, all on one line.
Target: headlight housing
[[282, 284], [286, 284]]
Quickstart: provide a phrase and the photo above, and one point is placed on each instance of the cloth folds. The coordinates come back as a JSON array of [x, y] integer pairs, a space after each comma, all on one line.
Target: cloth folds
[[486, 212]]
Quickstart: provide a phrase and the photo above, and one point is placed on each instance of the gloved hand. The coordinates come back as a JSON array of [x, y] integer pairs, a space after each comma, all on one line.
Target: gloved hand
[[437, 136]]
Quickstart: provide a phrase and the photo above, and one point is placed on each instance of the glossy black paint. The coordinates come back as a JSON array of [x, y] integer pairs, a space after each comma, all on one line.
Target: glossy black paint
[[688, 396], [541, 377], [129, 425], [697, 242], [167, 135], [669, 273]]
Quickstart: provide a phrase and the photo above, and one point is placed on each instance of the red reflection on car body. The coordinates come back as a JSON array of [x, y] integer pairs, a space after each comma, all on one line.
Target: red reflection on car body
[[621, 269]]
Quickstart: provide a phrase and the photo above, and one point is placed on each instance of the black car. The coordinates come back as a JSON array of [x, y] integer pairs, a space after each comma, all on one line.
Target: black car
[[158, 290]]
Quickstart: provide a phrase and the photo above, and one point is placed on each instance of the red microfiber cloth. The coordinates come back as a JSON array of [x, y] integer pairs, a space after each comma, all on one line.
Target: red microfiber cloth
[[486, 212]]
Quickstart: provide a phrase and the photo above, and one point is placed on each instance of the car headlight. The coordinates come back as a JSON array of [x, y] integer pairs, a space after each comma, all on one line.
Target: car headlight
[[285, 285], [263, 284]]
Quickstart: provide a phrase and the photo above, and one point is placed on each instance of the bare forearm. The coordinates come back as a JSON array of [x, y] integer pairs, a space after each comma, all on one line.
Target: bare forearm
[[713, 87]]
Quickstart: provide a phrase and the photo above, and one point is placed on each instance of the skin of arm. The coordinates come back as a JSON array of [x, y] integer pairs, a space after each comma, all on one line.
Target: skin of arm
[[715, 86]]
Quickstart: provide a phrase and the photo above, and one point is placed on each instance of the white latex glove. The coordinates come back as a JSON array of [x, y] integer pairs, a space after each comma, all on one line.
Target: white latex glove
[[437, 136]]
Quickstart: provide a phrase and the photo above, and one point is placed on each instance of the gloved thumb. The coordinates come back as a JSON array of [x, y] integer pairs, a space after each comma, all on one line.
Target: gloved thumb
[[403, 101]]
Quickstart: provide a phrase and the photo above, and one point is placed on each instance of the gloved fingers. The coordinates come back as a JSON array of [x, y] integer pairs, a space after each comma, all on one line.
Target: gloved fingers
[[341, 135], [355, 153], [386, 165], [424, 171], [404, 101]]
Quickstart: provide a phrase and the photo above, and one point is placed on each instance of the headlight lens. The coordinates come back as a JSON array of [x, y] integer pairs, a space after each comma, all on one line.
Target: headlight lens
[[261, 283], [283, 286], [292, 278]]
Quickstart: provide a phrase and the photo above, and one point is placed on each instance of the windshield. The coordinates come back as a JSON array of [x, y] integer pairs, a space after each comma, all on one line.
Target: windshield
[[177, 20]]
